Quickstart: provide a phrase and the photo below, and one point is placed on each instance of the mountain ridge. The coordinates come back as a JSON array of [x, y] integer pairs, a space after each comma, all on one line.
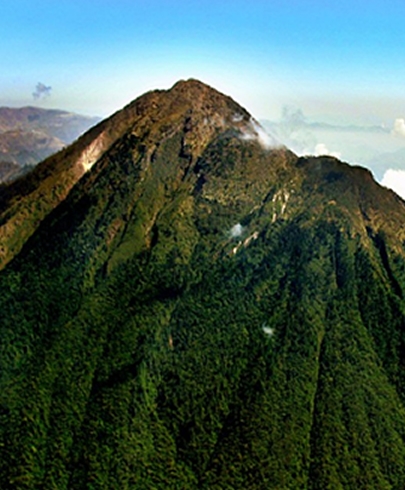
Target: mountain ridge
[[55, 177]]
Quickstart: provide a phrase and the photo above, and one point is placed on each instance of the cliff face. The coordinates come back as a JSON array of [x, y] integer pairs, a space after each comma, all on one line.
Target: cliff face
[[187, 304]]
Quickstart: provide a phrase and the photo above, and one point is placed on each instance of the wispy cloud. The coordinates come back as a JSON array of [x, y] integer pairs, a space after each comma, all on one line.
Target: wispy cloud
[[236, 230], [254, 131], [293, 131], [42, 91]]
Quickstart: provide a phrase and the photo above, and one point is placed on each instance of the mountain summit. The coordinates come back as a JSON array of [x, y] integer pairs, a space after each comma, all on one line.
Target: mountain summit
[[190, 109], [187, 304]]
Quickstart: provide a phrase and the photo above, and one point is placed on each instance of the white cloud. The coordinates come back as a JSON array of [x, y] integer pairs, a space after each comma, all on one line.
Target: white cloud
[[268, 330], [254, 131], [399, 127], [395, 180], [236, 230], [321, 149]]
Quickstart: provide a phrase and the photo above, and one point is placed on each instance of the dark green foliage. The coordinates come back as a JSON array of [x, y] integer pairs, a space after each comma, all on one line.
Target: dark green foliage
[[148, 385]]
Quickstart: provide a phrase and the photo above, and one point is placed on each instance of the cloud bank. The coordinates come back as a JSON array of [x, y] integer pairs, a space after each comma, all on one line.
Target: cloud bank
[[321, 149], [399, 127], [395, 180]]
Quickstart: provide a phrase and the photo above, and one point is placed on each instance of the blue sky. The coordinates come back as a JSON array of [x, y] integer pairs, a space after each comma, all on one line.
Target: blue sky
[[338, 60]]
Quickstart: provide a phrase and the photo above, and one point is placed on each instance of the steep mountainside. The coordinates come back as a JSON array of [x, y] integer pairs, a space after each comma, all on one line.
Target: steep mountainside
[[30, 134], [187, 305]]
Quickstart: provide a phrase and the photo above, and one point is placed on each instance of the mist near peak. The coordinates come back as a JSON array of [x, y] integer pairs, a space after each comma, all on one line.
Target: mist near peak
[[376, 147], [254, 131]]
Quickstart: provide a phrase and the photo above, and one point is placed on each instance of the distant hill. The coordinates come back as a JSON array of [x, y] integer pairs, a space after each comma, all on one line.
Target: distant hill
[[30, 134], [187, 304]]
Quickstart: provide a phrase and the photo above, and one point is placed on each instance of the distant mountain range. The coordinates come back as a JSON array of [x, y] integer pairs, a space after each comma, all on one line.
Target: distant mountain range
[[30, 134], [187, 304], [376, 147]]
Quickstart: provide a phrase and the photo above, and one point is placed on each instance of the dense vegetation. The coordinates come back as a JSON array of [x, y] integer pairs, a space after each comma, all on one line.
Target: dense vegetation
[[232, 319]]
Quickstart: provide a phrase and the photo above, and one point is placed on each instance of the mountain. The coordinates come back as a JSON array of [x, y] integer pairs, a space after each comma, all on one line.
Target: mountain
[[30, 134], [186, 304]]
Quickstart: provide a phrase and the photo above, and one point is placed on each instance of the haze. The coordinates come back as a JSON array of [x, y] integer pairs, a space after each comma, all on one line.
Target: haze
[[338, 62]]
